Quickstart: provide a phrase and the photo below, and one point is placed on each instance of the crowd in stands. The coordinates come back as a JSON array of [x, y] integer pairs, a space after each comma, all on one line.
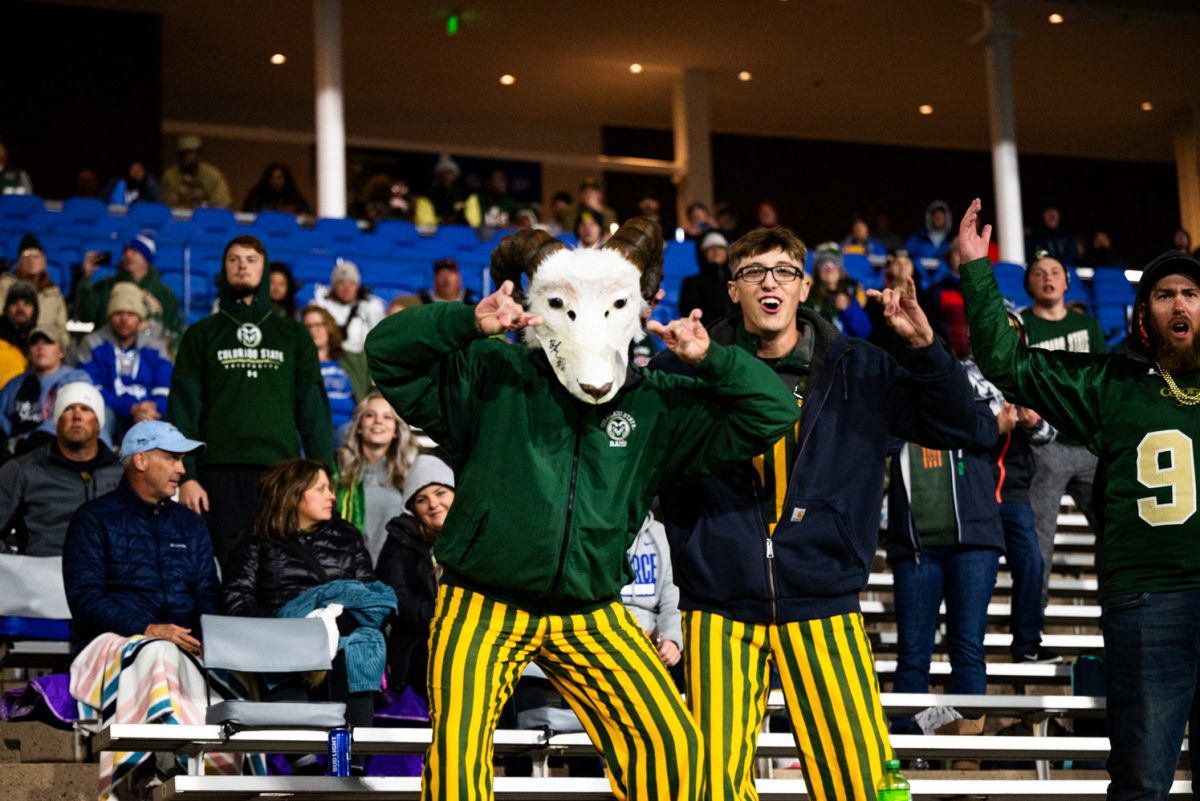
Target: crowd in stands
[[299, 487]]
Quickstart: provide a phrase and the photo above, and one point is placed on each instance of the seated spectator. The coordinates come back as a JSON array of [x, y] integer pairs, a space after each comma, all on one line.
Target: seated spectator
[[591, 198], [1050, 238], [767, 214], [859, 241], [136, 267], [945, 307], [708, 290], [1182, 241], [87, 183], [556, 216], [41, 490], [192, 182], [137, 184], [297, 546], [491, 206], [927, 247], [283, 289], [31, 267], [446, 201], [836, 296], [343, 373], [649, 206], [276, 190], [139, 573], [20, 316], [698, 222], [944, 542], [725, 221], [25, 401], [653, 598], [447, 286], [896, 273], [355, 310], [13, 180], [588, 229], [128, 363], [380, 450], [382, 198], [406, 564]]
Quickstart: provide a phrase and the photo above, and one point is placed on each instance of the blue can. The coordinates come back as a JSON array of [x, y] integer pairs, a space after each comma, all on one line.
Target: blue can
[[339, 753]]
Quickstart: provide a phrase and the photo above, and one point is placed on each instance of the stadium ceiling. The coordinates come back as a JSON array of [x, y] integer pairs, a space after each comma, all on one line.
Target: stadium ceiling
[[850, 70]]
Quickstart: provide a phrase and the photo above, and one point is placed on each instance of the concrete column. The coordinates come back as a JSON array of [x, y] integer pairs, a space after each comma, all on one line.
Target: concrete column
[[331, 126], [1187, 167], [1002, 122], [691, 120]]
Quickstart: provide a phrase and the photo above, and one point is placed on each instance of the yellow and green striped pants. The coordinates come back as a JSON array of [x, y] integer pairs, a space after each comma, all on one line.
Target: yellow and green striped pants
[[830, 688], [601, 662]]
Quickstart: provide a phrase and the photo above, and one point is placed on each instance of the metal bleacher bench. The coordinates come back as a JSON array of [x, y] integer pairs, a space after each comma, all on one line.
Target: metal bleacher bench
[[1070, 587], [994, 642]]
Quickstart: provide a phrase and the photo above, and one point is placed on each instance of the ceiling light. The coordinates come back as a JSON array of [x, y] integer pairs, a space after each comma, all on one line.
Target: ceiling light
[[636, 69], [1056, 19], [925, 109], [507, 80], [278, 58], [1147, 106], [744, 75]]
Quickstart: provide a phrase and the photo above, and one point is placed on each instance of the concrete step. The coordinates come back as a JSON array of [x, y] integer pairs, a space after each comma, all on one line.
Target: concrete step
[[48, 782], [29, 742]]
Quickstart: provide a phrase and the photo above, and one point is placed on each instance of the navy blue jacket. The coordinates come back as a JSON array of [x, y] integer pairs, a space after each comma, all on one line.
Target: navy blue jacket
[[819, 558], [128, 563], [975, 506]]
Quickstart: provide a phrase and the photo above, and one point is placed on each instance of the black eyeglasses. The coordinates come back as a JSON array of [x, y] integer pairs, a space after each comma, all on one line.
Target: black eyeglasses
[[756, 273]]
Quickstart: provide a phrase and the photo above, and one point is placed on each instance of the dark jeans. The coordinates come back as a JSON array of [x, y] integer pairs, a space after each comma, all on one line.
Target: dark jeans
[[1152, 657], [232, 499], [965, 578], [1024, 558]]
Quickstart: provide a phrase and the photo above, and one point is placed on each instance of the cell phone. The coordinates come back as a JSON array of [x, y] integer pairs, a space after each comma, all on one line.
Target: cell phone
[[104, 259]]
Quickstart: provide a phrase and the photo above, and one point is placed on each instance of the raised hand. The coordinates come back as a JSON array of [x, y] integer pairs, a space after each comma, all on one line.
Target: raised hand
[[685, 337], [904, 314], [972, 243], [498, 313]]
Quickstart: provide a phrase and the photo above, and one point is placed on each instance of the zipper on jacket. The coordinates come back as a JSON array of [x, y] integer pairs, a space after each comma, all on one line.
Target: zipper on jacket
[[770, 551], [566, 538]]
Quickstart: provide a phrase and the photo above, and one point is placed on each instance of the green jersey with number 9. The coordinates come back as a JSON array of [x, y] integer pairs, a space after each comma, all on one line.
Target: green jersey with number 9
[[1120, 408]]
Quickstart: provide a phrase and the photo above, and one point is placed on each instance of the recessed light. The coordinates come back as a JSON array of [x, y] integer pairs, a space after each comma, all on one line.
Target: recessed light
[[1056, 19], [636, 69], [278, 58], [507, 80], [744, 75], [1147, 106], [925, 109]]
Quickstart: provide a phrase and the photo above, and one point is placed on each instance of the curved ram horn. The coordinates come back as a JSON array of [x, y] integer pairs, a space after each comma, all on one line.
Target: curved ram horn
[[521, 252], [640, 241]]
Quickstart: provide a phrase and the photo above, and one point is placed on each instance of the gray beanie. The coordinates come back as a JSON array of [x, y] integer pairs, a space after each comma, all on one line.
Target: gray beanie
[[426, 470]]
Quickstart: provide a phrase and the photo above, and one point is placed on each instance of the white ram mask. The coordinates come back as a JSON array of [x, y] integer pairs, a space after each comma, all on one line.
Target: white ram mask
[[590, 301]]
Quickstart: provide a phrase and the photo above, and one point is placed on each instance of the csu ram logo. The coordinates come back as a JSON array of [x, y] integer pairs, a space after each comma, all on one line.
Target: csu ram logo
[[618, 426]]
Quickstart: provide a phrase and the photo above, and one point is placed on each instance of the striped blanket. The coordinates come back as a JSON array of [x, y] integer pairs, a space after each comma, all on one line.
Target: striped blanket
[[138, 679]]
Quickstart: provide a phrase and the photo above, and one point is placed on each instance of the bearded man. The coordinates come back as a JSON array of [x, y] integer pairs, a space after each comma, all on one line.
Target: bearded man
[[1136, 412], [561, 446]]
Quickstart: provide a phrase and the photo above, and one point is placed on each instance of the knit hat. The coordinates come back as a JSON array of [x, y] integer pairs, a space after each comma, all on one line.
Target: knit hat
[[50, 333], [714, 239], [426, 470], [446, 164], [21, 290], [126, 297], [79, 392], [826, 253], [189, 142], [143, 243], [345, 271], [30, 241]]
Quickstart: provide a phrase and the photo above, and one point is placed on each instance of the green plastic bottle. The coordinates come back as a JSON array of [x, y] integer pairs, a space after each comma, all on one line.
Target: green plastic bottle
[[892, 786]]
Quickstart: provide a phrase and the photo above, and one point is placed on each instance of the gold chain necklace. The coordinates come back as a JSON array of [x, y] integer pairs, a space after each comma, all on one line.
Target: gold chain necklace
[[1184, 400]]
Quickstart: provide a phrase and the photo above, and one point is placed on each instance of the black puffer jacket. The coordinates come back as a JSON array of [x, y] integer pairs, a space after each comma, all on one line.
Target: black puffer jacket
[[263, 575], [406, 565]]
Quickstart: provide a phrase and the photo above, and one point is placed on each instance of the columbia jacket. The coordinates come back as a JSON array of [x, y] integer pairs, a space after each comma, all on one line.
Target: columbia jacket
[[552, 490], [128, 563], [42, 489], [819, 556]]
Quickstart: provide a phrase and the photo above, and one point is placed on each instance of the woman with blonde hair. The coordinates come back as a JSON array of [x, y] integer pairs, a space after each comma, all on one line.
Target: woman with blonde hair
[[372, 464]]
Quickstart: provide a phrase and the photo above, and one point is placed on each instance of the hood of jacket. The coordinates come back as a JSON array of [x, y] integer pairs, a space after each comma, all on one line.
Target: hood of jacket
[[232, 304]]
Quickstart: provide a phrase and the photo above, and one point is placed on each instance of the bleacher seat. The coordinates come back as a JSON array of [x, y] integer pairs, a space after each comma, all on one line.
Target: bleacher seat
[[452, 238], [214, 226], [148, 214], [17, 211], [1011, 280], [397, 233]]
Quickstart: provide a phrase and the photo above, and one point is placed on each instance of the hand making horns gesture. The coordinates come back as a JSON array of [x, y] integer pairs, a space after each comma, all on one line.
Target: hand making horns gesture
[[498, 313], [685, 337]]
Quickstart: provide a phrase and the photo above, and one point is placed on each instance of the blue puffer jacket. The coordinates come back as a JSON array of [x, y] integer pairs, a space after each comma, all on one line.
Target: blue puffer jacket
[[128, 563], [819, 557]]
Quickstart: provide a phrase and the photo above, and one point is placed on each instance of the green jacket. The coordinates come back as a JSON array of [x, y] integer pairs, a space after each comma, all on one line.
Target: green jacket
[[552, 491], [91, 302], [1119, 407], [247, 382]]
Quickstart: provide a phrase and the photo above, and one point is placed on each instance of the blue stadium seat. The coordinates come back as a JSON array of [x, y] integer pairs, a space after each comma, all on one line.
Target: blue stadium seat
[[176, 232], [83, 210], [337, 234], [148, 214], [214, 226], [399, 233], [17, 211], [1011, 280], [858, 268], [568, 239], [456, 237], [313, 269], [679, 261]]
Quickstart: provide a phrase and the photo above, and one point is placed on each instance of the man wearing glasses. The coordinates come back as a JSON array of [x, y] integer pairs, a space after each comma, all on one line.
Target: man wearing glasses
[[771, 555]]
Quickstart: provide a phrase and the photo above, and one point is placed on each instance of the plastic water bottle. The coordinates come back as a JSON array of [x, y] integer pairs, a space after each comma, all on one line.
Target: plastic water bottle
[[892, 786]]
